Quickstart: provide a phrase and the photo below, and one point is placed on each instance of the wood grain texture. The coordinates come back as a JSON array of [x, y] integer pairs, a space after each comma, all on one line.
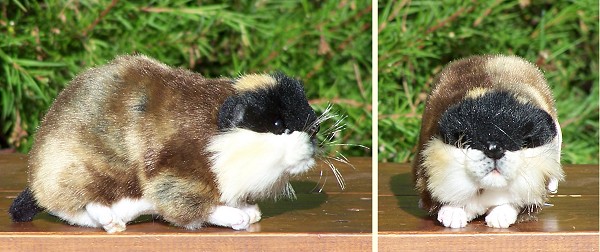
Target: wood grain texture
[[187, 242], [569, 223], [322, 218], [575, 241]]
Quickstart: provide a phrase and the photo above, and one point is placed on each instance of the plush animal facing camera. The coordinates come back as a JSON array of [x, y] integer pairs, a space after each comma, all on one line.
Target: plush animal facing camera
[[138, 137], [489, 144]]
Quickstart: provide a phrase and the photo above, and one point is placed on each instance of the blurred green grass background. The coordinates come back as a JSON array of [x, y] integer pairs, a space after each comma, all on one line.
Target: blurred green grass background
[[417, 38], [327, 44]]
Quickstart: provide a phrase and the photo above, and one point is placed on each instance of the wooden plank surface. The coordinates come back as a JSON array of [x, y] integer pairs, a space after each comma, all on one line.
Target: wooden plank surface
[[328, 220], [570, 223]]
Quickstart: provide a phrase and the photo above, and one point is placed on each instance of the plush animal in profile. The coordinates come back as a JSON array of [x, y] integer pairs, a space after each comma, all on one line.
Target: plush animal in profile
[[138, 137], [489, 144]]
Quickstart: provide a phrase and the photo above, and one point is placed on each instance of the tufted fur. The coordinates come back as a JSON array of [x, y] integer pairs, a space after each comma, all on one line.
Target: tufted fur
[[489, 142], [138, 137]]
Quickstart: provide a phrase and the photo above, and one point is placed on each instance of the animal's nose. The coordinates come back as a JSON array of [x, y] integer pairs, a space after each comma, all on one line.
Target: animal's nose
[[493, 151]]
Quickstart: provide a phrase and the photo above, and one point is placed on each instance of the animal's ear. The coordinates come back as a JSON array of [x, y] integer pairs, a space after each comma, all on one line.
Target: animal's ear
[[231, 113]]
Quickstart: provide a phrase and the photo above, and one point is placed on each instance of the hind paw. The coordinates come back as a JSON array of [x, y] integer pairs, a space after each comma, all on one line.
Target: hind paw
[[114, 226], [105, 218]]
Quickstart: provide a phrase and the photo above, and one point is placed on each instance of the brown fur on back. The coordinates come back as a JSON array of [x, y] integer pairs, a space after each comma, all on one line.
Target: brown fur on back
[[128, 129]]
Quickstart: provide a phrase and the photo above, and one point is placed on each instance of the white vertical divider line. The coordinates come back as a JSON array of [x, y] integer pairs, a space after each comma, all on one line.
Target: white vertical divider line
[[374, 119]]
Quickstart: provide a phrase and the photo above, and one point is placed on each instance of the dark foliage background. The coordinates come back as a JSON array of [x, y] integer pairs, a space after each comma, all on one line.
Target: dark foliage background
[[417, 38], [327, 44]]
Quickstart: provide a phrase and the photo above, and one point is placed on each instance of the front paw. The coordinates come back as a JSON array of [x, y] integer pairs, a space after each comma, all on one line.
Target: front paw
[[501, 216], [553, 185], [253, 212], [452, 217], [227, 216]]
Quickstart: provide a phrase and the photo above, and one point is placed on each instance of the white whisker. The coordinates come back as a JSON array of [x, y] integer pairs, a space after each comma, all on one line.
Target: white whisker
[[328, 142], [319, 182], [323, 185], [346, 162], [334, 130], [504, 132], [337, 174], [352, 145]]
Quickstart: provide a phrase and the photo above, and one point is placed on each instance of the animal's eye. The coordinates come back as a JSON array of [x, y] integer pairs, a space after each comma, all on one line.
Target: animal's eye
[[278, 126], [278, 123]]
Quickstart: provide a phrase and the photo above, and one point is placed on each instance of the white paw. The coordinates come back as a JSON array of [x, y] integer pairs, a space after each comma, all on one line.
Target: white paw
[[501, 216], [453, 217], [253, 212], [114, 226], [227, 216], [553, 185], [105, 217]]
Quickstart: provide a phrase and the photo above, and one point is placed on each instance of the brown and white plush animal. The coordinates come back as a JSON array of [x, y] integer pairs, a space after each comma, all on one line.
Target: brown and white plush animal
[[489, 144], [138, 137]]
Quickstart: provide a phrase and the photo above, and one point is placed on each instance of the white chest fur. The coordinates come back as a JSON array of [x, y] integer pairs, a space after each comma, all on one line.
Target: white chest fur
[[465, 179], [248, 164]]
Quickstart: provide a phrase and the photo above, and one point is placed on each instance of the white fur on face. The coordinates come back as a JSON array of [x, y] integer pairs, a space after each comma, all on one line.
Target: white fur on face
[[258, 165], [467, 179]]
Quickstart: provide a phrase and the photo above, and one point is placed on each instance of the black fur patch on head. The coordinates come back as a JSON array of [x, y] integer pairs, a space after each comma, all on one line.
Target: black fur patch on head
[[276, 109], [496, 121]]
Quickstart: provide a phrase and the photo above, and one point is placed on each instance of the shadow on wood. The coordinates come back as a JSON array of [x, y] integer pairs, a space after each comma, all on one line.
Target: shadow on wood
[[400, 185], [305, 199]]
